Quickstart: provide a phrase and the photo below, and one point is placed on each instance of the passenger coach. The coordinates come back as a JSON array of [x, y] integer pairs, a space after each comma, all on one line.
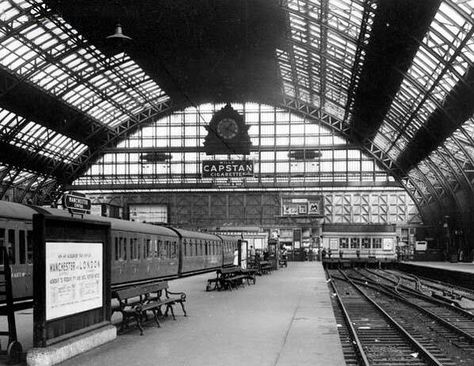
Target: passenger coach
[[140, 252]]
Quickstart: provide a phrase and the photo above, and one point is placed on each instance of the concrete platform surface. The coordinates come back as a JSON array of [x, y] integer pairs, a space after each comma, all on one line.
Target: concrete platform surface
[[285, 319]]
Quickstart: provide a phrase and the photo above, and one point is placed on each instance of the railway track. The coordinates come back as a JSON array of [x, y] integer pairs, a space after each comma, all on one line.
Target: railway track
[[458, 294], [394, 329]]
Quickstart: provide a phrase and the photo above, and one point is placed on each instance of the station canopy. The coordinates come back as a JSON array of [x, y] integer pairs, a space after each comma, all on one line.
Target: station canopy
[[391, 79]]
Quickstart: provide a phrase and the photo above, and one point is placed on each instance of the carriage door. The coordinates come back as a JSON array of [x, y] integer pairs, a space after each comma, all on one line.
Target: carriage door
[[243, 248]]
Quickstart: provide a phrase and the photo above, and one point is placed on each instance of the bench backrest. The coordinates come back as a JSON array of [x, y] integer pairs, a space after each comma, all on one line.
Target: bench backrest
[[155, 287], [230, 270], [137, 291]]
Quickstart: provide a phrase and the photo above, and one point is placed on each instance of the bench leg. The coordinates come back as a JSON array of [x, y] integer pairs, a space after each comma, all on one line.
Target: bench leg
[[138, 317], [155, 316], [170, 307], [182, 307], [124, 322]]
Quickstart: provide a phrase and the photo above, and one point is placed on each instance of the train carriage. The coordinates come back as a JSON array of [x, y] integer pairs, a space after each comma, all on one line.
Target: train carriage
[[139, 252], [200, 251], [16, 236], [229, 246]]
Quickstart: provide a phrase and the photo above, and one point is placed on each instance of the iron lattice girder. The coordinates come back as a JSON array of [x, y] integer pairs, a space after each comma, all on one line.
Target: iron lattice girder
[[457, 107], [211, 186], [386, 163], [201, 149], [122, 131], [394, 40], [35, 162], [39, 106]]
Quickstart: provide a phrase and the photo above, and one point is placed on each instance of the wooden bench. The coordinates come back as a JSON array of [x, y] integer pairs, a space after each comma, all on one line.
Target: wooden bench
[[283, 262], [230, 277], [134, 302], [265, 267]]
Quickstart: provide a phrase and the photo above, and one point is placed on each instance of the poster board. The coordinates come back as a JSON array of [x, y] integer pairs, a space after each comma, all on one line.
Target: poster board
[[302, 206], [71, 290]]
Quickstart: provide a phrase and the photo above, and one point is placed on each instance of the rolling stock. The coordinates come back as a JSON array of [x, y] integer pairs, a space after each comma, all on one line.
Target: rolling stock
[[139, 252]]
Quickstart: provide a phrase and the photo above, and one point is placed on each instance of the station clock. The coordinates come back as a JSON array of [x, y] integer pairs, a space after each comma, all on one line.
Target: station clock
[[227, 133]]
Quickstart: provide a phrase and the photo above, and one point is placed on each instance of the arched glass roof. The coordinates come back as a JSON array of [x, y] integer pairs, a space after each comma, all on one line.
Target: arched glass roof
[[52, 55], [417, 130], [169, 154]]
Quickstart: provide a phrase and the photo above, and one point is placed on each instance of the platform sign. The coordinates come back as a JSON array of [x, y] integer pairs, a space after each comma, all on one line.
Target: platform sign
[[77, 202], [71, 289], [73, 278]]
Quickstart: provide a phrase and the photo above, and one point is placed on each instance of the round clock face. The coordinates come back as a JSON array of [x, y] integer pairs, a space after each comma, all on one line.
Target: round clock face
[[227, 128]]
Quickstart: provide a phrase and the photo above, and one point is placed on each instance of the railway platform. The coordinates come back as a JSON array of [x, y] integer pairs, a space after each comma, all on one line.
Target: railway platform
[[284, 319], [461, 273]]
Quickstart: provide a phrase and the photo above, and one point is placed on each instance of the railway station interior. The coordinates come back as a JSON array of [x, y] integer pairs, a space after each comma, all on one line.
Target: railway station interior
[[220, 181]]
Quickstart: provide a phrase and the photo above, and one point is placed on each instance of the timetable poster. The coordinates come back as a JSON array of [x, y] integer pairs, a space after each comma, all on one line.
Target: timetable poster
[[74, 278]]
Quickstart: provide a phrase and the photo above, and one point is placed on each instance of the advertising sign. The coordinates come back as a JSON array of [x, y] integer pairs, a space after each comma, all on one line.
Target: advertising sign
[[388, 243], [73, 278], [227, 168], [298, 206], [421, 245]]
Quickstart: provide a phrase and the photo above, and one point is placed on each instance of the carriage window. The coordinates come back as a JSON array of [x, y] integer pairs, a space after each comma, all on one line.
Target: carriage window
[[11, 246], [343, 243], [173, 250], [159, 249], [376, 243], [206, 244], [22, 241], [29, 247], [2, 244], [134, 243], [366, 243], [117, 249], [125, 251], [184, 247], [355, 243], [148, 248], [154, 249]]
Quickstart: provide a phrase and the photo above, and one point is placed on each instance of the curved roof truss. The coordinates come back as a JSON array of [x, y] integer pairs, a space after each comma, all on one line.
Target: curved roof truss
[[330, 62]]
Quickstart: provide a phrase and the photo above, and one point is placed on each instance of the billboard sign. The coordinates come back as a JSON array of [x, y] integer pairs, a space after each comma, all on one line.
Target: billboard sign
[[227, 168], [302, 206]]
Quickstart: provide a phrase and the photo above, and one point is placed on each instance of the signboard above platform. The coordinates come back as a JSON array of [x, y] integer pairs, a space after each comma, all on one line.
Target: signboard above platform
[[227, 168], [302, 206], [77, 202]]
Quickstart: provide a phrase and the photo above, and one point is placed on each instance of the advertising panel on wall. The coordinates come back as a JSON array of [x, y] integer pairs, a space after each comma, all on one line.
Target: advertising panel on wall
[[73, 278], [227, 168], [302, 206]]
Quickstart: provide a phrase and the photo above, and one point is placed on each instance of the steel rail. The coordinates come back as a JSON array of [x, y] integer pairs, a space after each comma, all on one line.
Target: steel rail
[[362, 356], [427, 354]]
